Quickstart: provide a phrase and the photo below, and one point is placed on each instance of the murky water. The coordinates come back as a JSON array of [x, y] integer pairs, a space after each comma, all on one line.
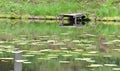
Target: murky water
[[49, 47]]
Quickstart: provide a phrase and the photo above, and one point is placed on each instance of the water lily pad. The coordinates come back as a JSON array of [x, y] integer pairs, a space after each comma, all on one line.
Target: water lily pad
[[110, 65], [95, 65], [85, 59], [64, 62], [91, 61], [1, 52], [90, 35], [76, 41], [51, 41], [2, 42], [20, 51], [44, 58], [108, 43], [117, 50], [116, 40], [93, 52], [44, 36], [20, 60], [53, 57], [85, 54], [116, 69], [65, 34], [7, 58], [63, 48], [66, 40], [0, 49], [46, 50], [35, 43], [9, 46], [27, 62], [107, 55], [22, 43], [78, 50]]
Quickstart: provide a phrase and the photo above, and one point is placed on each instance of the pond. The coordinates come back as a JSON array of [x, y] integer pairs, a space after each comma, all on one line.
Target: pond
[[41, 46]]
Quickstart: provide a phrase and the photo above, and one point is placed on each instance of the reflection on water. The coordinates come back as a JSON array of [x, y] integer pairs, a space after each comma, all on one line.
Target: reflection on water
[[6, 65], [50, 47]]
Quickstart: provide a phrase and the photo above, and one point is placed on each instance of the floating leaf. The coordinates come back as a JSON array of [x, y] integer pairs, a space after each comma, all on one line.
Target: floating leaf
[[7, 58], [44, 58], [20, 60], [110, 65], [51, 41], [95, 65], [27, 62], [117, 50], [65, 34], [90, 35], [63, 48], [66, 40], [46, 50], [76, 41], [64, 62], [107, 55], [20, 51], [78, 50], [93, 52], [116, 69], [91, 61]]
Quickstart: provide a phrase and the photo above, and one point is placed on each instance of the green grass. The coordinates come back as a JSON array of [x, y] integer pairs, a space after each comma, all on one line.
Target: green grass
[[56, 7], [107, 9], [39, 9]]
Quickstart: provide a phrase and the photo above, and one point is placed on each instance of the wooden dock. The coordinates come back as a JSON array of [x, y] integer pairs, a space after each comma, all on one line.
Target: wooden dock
[[74, 19]]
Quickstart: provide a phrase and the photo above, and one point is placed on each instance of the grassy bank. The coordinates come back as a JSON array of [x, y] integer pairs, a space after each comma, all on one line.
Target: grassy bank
[[56, 7]]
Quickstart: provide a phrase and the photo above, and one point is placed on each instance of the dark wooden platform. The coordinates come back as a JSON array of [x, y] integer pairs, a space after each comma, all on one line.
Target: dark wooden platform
[[72, 18]]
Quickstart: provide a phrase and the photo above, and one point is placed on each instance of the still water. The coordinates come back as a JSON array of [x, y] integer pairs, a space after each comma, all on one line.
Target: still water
[[35, 46]]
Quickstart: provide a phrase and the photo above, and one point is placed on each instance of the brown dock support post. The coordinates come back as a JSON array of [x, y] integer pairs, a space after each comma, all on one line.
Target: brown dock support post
[[75, 20], [62, 19], [17, 56]]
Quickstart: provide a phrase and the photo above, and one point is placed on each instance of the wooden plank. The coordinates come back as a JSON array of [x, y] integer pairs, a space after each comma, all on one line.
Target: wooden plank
[[72, 15]]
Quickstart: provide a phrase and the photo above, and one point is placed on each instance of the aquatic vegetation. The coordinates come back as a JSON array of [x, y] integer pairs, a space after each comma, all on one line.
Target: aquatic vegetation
[[50, 47]]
